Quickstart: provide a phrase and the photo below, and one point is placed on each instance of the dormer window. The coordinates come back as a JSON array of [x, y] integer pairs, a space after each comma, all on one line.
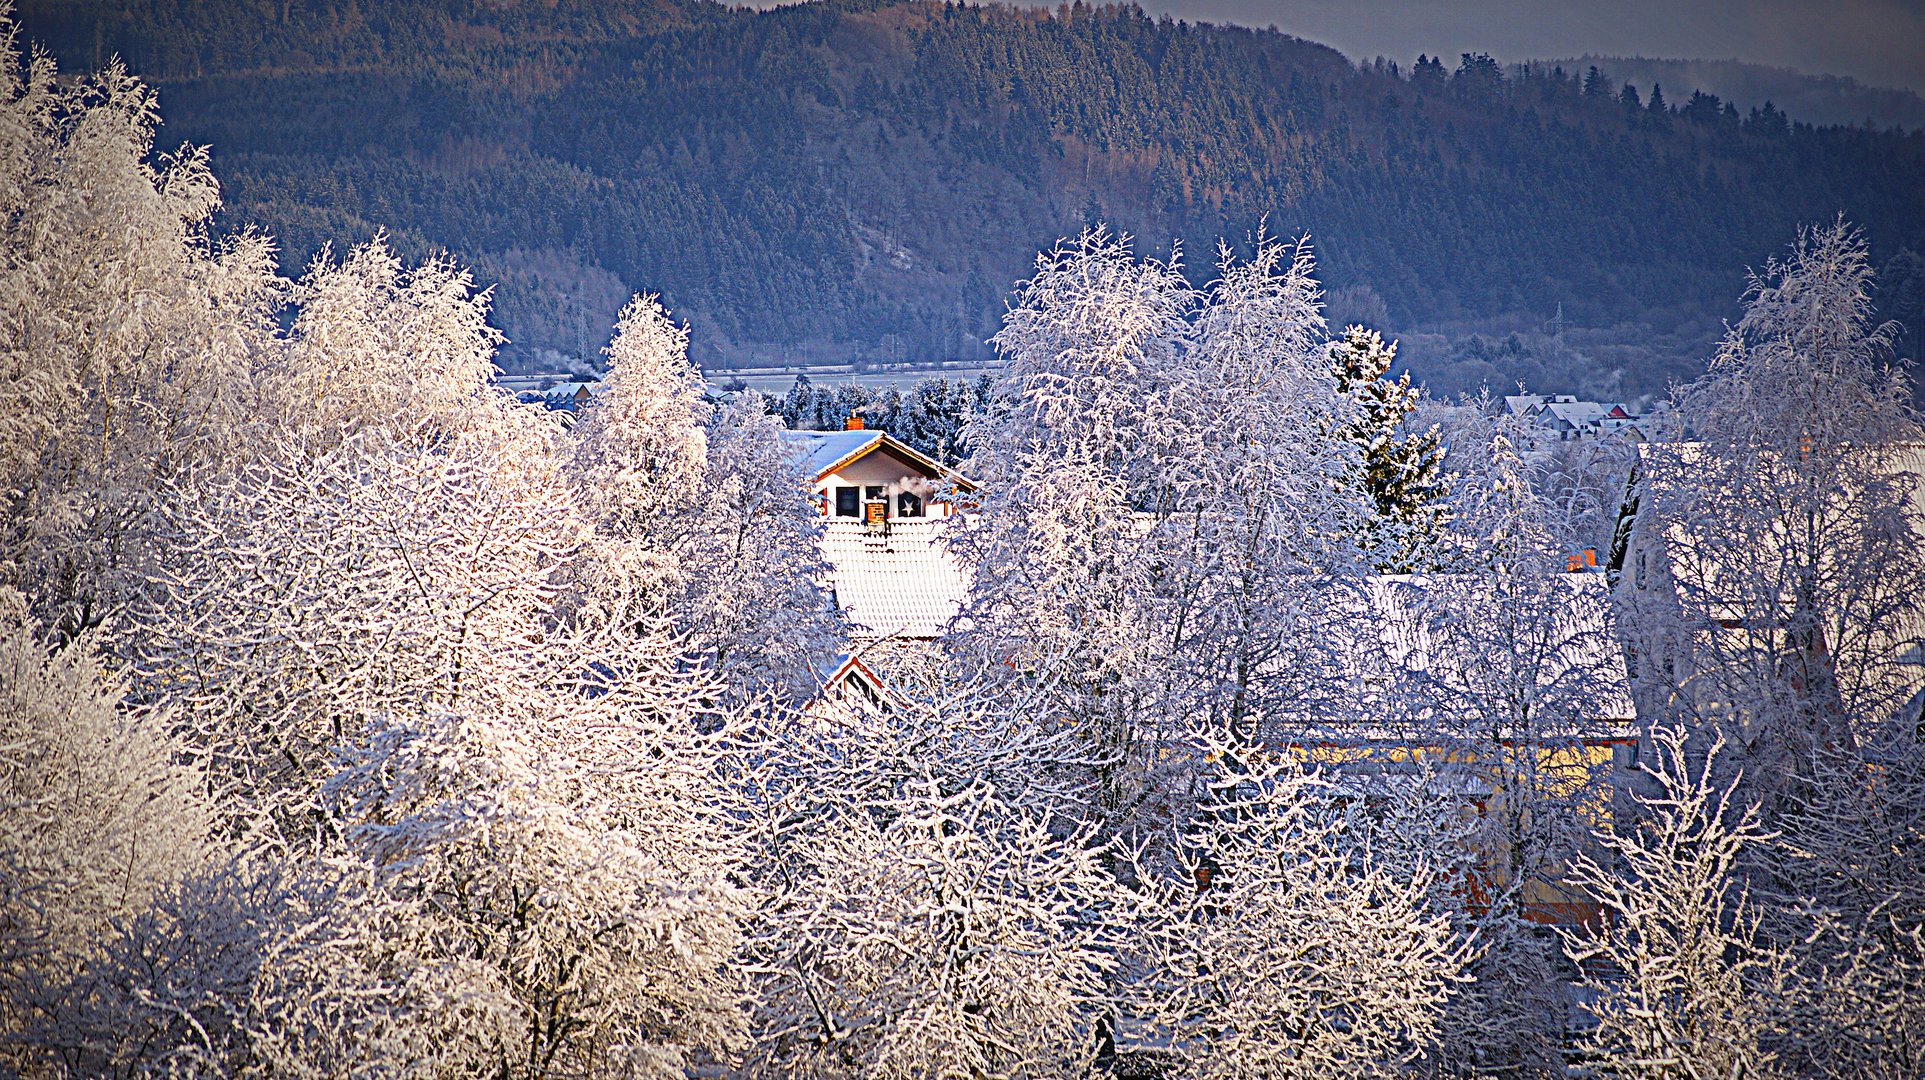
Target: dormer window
[[848, 502], [908, 505]]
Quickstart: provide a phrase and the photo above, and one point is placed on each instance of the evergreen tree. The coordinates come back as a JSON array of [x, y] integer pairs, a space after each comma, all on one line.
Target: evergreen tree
[[1428, 73], [1402, 469]]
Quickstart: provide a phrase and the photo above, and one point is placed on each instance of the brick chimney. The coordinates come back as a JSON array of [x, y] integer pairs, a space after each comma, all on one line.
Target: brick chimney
[[854, 423]]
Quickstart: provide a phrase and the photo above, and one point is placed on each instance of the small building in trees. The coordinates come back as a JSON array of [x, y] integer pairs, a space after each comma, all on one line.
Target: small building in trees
[[1510, 691], [1562, 417], [553, 390], [1795, 597], [868, 476], [884, 505], [851, 686]]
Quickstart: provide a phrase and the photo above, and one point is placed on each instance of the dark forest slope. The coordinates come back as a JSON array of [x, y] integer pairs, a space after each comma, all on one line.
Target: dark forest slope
[[853, 180]]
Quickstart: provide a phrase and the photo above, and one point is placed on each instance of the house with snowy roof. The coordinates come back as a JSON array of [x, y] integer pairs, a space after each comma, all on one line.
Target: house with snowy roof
[[552, 390], [864, 475], [1699, 593], [1563, 417], [1415, 651], [853, 687], [884, 505], [1417, 658]]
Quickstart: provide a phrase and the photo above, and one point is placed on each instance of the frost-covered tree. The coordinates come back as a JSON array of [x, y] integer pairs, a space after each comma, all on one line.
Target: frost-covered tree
[[1515, 678], [1065, 458], [136, 945], [1781, 564], [1776, 584], [318, 591], [557, 833], [99, 810], [1253, 534], [927, 908], [1585, 480], [1402, 469], [1275, 943], [128, 338], [1167, 523], [253, 967], [935, 935], [1681, 981], [525, 781], [1845, 889], [1518, 667], [753, 603], [528, 787], [644, 447], [702, 517], [378, 344]]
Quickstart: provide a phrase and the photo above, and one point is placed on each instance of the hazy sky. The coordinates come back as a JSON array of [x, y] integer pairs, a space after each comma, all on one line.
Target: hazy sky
[[1880, 42]]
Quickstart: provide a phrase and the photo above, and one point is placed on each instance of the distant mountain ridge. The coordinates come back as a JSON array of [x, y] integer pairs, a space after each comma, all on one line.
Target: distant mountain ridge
[[865, 179], [1814, 99]]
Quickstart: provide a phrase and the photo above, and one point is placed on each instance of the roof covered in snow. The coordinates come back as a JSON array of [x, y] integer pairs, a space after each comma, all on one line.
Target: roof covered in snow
[[822, 451], [825, 452], [1577, 413], [1443, 629], [899, 583], [1740, 578]]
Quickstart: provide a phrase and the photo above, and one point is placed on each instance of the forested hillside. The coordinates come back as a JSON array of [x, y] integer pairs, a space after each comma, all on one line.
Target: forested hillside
[[867, 181]]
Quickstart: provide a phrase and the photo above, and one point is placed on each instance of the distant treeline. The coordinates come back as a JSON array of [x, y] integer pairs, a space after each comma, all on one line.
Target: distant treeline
[[865, 181], [929, 416], [1817, 99]]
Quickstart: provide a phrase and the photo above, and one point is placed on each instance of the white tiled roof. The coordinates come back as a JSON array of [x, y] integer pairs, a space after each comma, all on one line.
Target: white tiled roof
[[1569, 618], [895, 584]]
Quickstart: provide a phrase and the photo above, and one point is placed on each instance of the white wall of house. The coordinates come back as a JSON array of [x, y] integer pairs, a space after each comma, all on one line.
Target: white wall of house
[[881, 474]]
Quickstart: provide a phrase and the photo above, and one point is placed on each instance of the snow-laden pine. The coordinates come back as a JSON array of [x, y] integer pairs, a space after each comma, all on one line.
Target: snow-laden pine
[[1402, 469]]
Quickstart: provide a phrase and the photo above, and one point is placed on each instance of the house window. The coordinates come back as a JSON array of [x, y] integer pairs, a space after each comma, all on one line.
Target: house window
[[872, 493], [848, 502], [908, 505]]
